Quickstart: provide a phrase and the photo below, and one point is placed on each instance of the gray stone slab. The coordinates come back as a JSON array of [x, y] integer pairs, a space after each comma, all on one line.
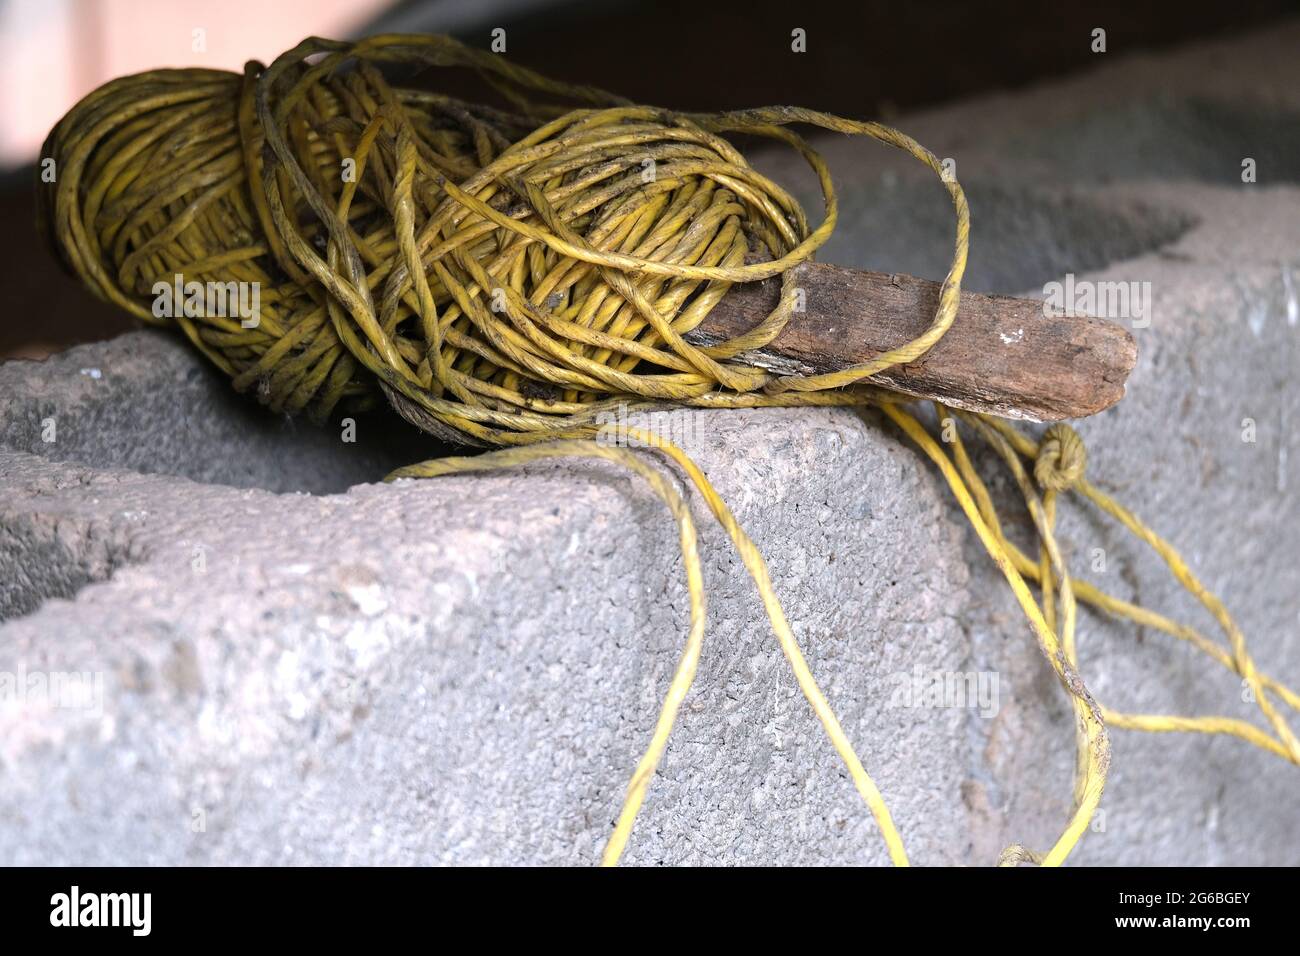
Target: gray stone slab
[[464, 670]]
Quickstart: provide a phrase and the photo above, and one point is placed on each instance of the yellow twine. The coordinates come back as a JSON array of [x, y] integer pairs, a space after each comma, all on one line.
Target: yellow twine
[[505, 276]]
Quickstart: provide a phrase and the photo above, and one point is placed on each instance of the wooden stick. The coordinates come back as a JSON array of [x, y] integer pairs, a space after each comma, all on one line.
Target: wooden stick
[[1002, 355]]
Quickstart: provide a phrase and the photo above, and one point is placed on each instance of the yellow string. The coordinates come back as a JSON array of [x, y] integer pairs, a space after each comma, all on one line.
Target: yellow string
[[754, 564]]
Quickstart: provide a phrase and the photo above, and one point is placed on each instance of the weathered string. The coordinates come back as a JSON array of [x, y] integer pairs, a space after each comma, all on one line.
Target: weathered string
[[506, 277]]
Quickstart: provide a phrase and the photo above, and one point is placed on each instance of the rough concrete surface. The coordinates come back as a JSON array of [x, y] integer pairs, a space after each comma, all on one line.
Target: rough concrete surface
[[292, 663]]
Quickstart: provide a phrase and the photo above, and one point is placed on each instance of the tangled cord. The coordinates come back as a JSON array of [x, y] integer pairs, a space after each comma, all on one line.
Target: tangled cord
[[504, 277]]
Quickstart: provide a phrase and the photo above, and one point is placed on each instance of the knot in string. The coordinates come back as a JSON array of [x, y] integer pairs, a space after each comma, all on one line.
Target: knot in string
[[1062, 458]]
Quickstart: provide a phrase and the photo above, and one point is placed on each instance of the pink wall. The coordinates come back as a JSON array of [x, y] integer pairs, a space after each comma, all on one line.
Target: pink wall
[[52, 52]]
